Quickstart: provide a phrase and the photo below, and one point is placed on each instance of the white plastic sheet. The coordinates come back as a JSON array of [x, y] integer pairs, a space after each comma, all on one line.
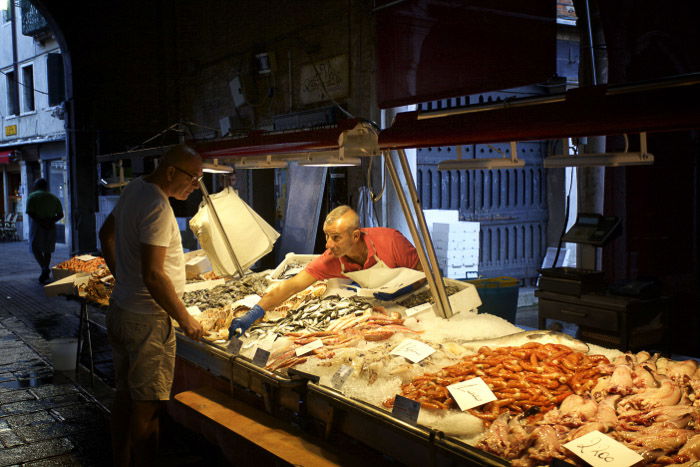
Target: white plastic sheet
[[250, 236]]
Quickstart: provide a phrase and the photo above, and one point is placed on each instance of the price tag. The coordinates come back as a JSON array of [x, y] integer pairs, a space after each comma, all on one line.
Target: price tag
[[193, 310], [418, 309], [471, 393], [85, 257], [234, 346], [406, 409], [598, 449], [261, 357], [413, 350], [341, 376], [304, 349]]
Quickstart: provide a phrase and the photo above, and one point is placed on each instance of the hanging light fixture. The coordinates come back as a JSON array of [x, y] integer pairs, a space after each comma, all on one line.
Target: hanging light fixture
[[265, 162], [504, 162], [329, 159], [609, 159], [216, 168]]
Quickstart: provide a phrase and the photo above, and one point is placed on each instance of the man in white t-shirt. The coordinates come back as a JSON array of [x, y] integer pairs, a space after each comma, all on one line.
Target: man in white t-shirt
[[142, 247]]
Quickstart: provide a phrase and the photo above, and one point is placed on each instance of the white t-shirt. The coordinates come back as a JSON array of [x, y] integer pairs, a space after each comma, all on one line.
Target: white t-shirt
[[143, 215]]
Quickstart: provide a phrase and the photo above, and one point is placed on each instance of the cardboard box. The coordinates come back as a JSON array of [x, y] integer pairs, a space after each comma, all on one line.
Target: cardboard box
[[196, 262]]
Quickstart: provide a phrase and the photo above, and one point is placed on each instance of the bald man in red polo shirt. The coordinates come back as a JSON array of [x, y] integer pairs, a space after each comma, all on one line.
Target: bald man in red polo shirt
[[348, 248]]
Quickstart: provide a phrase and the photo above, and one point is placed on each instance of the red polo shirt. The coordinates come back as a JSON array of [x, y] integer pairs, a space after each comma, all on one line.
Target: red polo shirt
[[388, 244]]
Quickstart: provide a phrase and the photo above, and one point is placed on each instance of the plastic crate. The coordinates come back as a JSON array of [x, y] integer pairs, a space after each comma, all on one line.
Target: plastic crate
[[499, 296]]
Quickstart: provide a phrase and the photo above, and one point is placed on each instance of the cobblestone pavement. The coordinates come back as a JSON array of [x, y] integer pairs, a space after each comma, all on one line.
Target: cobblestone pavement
[[50, 418]]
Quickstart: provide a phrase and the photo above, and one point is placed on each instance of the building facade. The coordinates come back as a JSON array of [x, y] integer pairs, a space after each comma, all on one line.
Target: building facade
[[33, 135]]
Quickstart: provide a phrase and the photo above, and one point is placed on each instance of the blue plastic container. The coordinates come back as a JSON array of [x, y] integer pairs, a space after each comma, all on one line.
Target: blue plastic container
[[499, 296]]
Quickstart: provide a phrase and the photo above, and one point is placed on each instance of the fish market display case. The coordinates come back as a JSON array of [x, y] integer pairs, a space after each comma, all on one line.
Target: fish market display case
[[331, 414]]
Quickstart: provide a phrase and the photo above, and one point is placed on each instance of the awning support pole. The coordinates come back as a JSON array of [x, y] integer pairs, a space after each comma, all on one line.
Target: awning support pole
[[217, 221], [432, 272]]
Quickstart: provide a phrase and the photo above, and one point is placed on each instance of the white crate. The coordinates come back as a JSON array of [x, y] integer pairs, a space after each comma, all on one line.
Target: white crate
[[291, 258], [440, 215]]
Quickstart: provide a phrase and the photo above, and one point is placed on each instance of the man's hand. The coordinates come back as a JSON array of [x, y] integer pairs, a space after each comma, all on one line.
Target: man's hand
[[191, 327], [240, 325]]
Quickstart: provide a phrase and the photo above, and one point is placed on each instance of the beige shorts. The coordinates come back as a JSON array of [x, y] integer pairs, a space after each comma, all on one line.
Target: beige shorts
[[143, 350]]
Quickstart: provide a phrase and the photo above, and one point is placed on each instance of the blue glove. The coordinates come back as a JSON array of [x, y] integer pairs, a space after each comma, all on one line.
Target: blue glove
[[240, 325], [393, 296]]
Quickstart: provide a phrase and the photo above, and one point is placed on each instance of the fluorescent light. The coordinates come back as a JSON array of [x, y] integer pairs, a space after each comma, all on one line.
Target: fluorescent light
[[611, 159], [329, 160], [216, 168], [260, 163], [481, 164], [511, 162]]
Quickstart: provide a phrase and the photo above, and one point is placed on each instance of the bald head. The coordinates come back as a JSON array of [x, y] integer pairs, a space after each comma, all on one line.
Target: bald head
[[178, 172], [343, 216], [180, 155]]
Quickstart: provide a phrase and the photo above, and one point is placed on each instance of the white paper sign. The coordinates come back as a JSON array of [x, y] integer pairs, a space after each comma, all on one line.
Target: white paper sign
[[598, 449], [85, 257], [194, 310], [413, 350], [304, 349], [471, 393]]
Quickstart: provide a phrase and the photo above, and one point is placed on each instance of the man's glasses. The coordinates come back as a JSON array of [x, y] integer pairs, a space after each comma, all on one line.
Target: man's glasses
[[195, 179]]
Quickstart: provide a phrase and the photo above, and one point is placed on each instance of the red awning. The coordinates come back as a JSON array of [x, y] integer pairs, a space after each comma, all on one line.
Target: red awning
[[5, 157]]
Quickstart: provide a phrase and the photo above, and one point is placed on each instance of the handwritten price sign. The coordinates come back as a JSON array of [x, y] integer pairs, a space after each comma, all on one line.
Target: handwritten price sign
[[598, 449], [471, 393], [413, 350]]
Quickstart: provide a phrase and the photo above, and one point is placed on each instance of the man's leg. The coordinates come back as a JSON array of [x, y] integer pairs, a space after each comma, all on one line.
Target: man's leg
[[145, 431], [120, 425]]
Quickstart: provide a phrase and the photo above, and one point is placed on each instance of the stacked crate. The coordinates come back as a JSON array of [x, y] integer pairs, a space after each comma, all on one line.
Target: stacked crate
[[456, 243]]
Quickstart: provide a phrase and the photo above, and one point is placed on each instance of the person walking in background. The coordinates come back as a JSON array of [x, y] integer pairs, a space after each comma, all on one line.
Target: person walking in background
[[44, 209], [142, 247]]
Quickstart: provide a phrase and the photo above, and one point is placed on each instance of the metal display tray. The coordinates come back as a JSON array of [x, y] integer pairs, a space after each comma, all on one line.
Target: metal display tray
[[277, 391], [409, 444]]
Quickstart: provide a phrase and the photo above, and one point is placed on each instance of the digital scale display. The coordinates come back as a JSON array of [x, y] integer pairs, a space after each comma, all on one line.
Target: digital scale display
[[592, 229]]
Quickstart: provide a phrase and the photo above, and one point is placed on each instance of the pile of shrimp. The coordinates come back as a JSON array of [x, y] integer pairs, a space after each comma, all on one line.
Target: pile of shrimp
[[531, 379]]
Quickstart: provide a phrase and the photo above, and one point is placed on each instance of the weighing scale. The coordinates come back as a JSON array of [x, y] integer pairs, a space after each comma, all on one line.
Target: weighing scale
[[589, 229]]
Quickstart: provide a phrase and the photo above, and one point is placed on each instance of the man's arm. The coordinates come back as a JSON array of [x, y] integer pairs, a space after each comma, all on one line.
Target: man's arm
[[107, 240], [286, 289], [161, 289]]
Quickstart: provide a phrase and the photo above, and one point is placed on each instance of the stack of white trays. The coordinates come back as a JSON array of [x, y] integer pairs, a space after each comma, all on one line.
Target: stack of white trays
[[457, 248]]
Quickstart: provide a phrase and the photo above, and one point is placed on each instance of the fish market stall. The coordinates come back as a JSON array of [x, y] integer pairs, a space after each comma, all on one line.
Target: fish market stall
[[340, 362]]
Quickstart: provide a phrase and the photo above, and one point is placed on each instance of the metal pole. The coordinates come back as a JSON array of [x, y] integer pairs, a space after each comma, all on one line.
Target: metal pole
[[440, 285], [217, 221], [414, 231]]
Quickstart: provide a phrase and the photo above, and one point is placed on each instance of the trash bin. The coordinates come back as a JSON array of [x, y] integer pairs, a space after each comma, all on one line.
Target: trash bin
[[64, 353], [499, 296]]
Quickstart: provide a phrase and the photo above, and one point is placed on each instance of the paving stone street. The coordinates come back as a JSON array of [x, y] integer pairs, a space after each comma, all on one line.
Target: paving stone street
[[45, 417], [52, 418]]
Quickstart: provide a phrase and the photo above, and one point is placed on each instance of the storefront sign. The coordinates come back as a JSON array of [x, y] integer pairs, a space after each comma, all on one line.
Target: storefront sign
[[10, 130]]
